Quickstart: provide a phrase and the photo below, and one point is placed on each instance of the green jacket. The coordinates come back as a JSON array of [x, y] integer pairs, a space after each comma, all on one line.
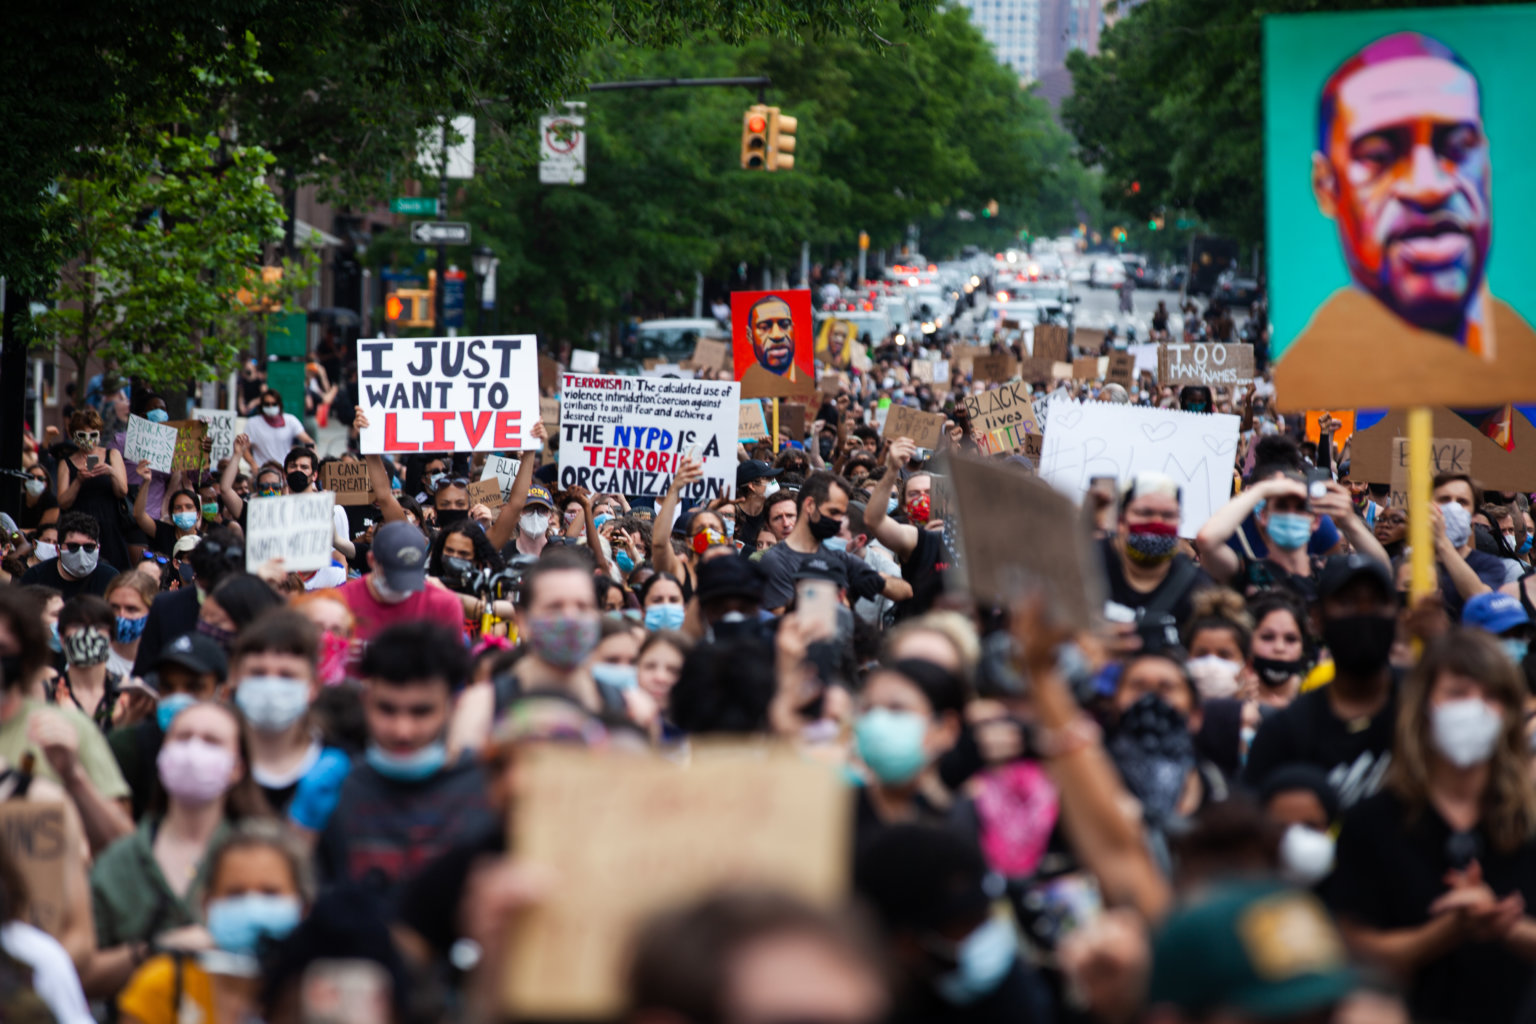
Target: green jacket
[[130, 897]]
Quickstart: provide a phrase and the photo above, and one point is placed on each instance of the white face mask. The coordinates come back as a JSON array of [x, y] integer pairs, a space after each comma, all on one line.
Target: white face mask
[[36, 488], [45, 550], [1465, 731], [773, 488], [534, 523], [271, 411], [1306, 855], [1214, 676]]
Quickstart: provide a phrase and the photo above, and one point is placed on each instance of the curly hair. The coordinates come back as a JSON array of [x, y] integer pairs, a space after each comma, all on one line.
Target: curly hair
[[485, 553]]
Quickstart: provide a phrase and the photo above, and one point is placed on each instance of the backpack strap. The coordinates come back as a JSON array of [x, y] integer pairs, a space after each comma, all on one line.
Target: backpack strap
[[1179, 580]]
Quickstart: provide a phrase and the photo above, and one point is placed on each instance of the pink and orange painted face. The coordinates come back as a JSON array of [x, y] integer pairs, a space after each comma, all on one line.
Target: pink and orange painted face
[[1407, 178]]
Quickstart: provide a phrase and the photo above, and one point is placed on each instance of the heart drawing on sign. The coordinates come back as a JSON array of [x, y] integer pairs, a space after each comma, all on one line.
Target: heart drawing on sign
[[1220, 446], [1068, 417], [1158, 431]]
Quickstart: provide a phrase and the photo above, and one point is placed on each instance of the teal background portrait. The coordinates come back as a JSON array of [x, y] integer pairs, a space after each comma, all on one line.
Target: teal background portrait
[[1304, 258]]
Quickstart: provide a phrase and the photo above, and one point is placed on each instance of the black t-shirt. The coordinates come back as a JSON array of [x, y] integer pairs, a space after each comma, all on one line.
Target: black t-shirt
[[28, 516], [1391, 866], [925, 571], [1121, 592], [1354, 754], [47, 573]]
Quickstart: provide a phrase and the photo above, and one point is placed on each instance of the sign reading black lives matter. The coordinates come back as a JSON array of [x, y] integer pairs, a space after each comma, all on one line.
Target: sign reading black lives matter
[[298, 528], [448, 394], [627, 435]]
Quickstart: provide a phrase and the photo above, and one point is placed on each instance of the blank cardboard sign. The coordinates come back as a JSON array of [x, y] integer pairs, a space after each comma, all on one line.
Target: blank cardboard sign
[[1051, 343], [924, 428], [998, 505], [1089, 339], [711, 353], [1085, 368], [632, 835], [992, 367]]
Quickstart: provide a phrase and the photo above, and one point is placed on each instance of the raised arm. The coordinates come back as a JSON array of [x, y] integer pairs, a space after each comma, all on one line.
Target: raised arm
[[901, 538], [594, 539], [378, 476], [232, 501], [500, 533], [1337, 505], [141, 515], [663, 558], [1215, 557]]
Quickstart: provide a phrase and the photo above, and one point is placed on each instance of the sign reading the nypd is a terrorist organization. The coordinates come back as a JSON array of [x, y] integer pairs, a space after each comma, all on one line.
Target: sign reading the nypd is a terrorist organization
[[448, 394], [628, 435]]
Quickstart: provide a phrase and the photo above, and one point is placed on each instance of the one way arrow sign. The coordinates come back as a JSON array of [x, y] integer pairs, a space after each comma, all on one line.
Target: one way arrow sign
[[439, 232]]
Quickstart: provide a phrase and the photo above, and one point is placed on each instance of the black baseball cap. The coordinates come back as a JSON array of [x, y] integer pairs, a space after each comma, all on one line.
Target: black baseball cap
[[823, 566], [1343, 569], [195, 653], [754, 469], [729, 576]]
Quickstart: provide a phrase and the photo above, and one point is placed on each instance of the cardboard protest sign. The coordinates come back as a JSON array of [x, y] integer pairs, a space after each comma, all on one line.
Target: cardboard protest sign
[[1207, 363], [1036, 370], [1088, 339], [1061, 371], [1497, 468], [549, 374], [1449, 455], [221, 428], [861, 360], [834, 342], [1121, 370], [711, 353], [502, 469], [922, 369], [41, 841], [965, 357], [298, 528], [992, 367], [188, 457], [549, 415], [1051, 343], [487, 493], [447, 394], [1093, 439], [750, 424], [584, 360], [998, 505], [738, 816], [771, 343], [348, 481], [792, 420], [1408, 302], [153, 441], [1003, 420], [626, 435], [1085, 368], [924, 428]]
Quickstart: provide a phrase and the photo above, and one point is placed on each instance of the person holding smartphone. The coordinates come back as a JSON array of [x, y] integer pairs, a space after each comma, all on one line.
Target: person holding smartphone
[[94, 480]]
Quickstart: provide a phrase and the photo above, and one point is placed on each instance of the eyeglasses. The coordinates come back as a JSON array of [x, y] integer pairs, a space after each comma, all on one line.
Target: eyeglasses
[[74, 547]]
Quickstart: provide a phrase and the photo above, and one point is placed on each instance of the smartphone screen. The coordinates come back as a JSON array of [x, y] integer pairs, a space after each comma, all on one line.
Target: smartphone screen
[[90, 461], [816, 606]]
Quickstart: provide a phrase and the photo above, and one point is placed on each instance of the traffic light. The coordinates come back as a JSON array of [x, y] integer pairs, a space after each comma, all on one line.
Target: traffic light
[[781, 140], [409, 307], [754, 138]]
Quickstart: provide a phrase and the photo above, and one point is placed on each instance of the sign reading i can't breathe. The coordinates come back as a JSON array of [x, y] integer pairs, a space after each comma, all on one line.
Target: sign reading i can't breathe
[[628, 435], [448, 394]]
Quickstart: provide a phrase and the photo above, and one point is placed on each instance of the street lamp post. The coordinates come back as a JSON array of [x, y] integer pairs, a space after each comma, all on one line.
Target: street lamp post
[[481, 261]]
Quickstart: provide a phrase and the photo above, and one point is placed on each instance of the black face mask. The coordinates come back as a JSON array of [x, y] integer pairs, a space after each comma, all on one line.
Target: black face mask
[[824, 528], [1360, 644], [446, 517], [298, 481], [1274, 672]]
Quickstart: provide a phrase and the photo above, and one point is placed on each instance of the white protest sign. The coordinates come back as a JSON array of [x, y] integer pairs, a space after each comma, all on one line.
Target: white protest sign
[[221, 431], [298, 528], [1091, 439], [503, 470], [448, 394], [627, 435], [1146, 356], [153, 441], [583, 360]]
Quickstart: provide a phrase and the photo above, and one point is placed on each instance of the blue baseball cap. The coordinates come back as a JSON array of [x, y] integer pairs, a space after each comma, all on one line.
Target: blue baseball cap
[[1494, 612]]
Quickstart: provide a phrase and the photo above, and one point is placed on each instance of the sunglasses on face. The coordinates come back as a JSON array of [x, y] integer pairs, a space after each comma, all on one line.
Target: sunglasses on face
[[75, 547], [234, 552]]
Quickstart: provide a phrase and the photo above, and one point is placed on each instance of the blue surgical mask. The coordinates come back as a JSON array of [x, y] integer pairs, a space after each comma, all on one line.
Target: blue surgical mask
[[664, 616], [1525, 545], [890, 505], [1516, 648], [54, 643], [240, 924], [599, 520], [730, 528], [891, 744], [157, 416], [1289, 531], [184, 520], [835, 544], [618, 677], [414, 767], [625, 563], [169, 707], [129, 630], [985, 958]]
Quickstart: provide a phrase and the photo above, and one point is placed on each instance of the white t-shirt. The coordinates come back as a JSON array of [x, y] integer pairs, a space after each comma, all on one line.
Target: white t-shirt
[[53, 972], [326, 578], [269, 443]]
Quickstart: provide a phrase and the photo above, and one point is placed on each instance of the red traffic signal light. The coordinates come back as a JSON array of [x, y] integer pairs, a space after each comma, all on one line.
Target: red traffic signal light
[[393, 307], [754, 138]]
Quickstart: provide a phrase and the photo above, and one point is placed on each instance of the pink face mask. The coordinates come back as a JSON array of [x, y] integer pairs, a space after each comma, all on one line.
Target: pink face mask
[[334, 649]]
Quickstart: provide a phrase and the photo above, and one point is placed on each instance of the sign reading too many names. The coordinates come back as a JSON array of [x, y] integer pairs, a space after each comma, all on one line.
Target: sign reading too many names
[[448, 394], [628, 435], [298, 528]]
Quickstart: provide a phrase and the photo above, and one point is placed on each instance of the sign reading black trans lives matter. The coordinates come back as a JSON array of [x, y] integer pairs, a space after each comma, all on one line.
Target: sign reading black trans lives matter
[[448, 394], [627, 435]]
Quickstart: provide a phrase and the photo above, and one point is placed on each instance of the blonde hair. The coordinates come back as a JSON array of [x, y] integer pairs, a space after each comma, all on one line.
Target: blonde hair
[[952, 626], [137, 581], [1508, 805]]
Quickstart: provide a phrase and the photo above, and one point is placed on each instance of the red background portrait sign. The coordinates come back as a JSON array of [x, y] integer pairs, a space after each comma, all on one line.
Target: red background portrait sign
[[772, 338]]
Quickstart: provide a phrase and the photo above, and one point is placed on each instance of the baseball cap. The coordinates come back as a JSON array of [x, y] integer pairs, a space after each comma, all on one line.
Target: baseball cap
[[754, 469], [731, 576], [539, 496], [1494, 612], [1341, 569], [186, 544], [400, 553], [1262, 948], [195, 653], [822, 567]]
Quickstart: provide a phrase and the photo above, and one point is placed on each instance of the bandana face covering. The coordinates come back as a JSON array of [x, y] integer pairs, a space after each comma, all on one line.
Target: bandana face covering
[[919, 508], [1151, 543], [85, 648]]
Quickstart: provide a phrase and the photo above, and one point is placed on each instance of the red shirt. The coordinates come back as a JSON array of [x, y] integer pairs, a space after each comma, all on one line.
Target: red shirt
[[434, 604]]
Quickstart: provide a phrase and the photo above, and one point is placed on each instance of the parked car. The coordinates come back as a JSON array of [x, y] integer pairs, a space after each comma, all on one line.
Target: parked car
[[1238, 291], [1106, 273]]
